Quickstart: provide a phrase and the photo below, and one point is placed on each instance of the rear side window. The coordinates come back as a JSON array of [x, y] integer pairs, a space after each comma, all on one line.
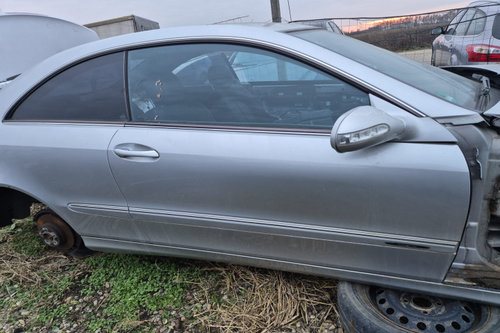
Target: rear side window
[[477, 24], [453, 24], [90, 91], [496, 27], [464, 24]]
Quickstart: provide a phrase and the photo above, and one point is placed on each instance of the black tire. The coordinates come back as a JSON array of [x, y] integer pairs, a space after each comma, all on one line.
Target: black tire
[[75, 246], [360, 313]]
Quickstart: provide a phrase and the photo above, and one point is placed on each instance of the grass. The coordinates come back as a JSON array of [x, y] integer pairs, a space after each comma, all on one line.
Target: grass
[[24, 242], [138, 286], [42, 290]]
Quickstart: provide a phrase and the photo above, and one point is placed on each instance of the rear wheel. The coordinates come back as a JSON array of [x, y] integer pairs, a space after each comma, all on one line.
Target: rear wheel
[[58, 235], [366, 309]]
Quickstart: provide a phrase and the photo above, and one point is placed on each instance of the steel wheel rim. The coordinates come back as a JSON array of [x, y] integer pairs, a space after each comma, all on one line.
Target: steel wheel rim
[[425, 313]]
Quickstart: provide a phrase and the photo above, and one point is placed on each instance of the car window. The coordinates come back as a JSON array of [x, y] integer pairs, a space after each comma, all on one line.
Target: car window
[[335, 28], [254, 67], [323, 24], [496, 27], [90, 91], [464, 22], [440, 83], [477, 24], [453, 24], [234, 85]]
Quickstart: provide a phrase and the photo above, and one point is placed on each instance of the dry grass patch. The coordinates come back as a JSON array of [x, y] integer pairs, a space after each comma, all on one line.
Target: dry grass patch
[[257, 300], [24, 258]]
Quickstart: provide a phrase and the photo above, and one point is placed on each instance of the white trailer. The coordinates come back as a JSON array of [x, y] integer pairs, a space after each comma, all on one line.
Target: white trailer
[[122, 25], [27, 39]]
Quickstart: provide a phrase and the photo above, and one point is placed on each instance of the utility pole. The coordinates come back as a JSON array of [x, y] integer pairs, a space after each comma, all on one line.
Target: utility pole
[[275, 10]]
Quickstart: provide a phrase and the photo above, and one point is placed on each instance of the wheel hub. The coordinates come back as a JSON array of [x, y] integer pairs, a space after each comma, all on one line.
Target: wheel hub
[[50, 236], [423, 313], [54, 232]]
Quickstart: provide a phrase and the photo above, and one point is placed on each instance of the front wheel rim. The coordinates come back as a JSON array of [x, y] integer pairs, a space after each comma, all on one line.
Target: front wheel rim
[[424, 313]]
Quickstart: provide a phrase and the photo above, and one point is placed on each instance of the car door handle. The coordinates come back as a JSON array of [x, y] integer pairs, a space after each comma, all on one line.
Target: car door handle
[[128, 150], [135, 153]]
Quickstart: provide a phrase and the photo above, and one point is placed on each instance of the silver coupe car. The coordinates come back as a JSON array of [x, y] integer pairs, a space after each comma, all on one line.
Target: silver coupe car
[[285, 146]]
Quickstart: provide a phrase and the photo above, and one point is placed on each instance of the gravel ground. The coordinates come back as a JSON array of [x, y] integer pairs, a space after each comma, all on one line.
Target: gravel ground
[[423, 55]]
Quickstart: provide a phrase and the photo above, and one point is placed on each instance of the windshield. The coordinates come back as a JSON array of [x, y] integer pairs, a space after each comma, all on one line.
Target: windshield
[[440, 83]]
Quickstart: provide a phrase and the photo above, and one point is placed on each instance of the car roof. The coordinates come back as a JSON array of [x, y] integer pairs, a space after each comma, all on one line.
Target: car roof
[[271, 33], [275, 33], [485, 4], [271, 36], [280, 27]]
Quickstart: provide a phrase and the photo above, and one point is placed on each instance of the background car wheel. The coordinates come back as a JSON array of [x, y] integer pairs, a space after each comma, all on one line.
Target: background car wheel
[[58, 235], [368, 309]]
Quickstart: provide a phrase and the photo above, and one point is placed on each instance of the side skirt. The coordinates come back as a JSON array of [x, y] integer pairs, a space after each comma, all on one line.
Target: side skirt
[[475, 294]]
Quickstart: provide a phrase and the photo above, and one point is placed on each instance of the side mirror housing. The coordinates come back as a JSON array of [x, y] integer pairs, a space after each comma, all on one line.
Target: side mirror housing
[[363, 127], [437, 31]]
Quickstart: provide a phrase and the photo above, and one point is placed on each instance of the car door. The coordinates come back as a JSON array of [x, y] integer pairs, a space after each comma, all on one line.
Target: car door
[[468, 37], [61, 157], [457, 40], [444, 42], [228, 157]]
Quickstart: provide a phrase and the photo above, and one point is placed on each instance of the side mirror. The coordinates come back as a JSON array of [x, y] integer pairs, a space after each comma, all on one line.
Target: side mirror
[[437, 31], [363, 127]]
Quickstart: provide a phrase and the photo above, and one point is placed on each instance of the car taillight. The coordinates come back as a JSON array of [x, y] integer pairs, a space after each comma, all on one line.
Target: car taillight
[[483, 53]]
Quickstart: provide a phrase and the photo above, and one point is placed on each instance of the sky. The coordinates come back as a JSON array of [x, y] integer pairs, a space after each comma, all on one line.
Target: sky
[[184, 12]]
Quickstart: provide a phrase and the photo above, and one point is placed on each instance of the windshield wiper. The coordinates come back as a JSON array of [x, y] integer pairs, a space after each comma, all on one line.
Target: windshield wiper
[[484, 94]]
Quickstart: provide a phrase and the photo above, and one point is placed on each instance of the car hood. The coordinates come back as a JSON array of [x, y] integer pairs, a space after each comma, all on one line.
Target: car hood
[[492, 71]]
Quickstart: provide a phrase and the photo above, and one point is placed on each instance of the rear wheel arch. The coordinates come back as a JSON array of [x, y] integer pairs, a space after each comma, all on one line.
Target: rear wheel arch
[[14, 204]]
